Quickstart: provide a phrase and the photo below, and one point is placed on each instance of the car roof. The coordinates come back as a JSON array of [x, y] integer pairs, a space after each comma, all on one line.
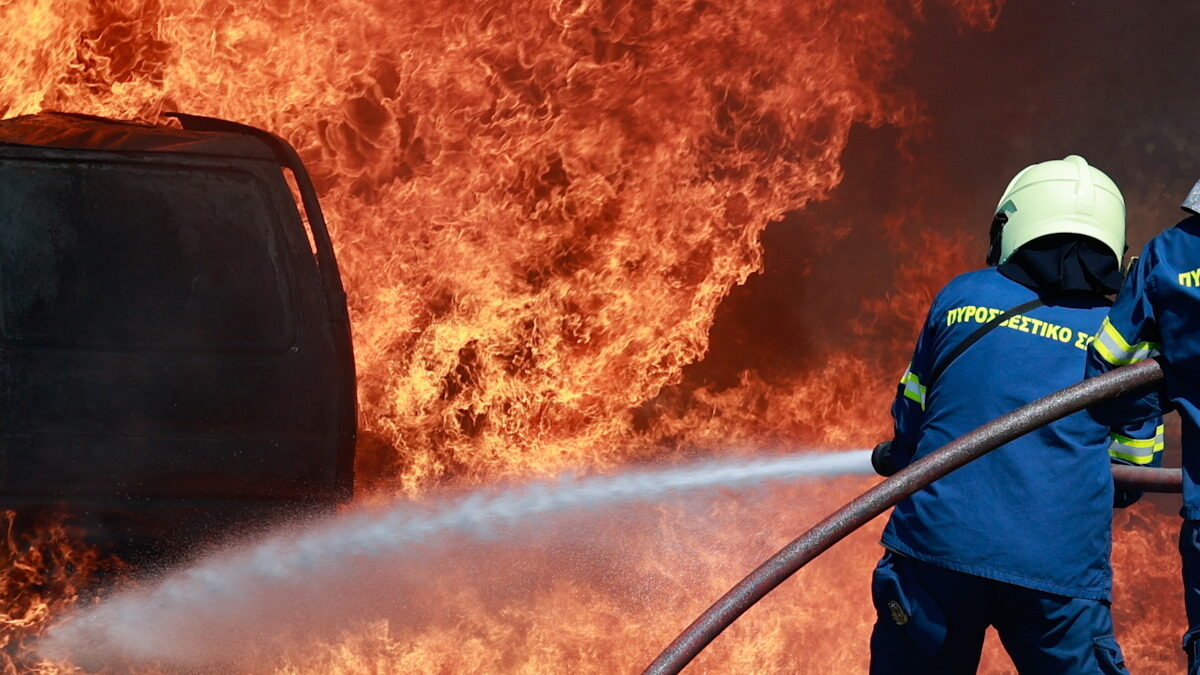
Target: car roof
[[85, 132]]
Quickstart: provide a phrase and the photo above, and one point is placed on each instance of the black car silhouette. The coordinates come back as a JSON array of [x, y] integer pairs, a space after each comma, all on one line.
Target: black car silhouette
[[175, 351]]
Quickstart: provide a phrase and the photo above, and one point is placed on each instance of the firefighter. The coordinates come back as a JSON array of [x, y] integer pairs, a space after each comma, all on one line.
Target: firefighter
[[1018, 539], [1156, 314]]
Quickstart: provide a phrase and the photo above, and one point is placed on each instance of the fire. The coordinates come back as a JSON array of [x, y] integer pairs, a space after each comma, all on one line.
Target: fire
[[587, 624], [41, 575], [538, 208]]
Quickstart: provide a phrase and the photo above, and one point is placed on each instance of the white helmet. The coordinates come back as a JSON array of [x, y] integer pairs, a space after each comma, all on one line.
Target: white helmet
[[1062, 196]]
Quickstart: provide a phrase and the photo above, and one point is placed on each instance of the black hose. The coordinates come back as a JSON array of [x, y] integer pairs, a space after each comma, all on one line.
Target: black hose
[[878, 499]]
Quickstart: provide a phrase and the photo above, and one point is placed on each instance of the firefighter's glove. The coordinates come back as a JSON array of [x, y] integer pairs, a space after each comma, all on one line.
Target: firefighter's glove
[[1123, 498], [881, 459]]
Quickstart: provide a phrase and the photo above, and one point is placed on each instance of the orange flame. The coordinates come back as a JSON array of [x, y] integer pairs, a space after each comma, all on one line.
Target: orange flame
[[539, 207], [41, 575]]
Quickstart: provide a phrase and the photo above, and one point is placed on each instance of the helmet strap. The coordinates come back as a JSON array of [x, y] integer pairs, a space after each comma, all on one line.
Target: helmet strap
[[1129, 264], [993, 255]]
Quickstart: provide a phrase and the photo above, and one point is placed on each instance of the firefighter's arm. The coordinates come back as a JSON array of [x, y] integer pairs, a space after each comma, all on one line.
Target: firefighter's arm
[[1137, 444], [908, 409], [1127, 335]]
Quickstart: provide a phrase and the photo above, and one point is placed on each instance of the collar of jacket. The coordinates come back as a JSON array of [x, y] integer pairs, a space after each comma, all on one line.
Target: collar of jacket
[[1064, 263]]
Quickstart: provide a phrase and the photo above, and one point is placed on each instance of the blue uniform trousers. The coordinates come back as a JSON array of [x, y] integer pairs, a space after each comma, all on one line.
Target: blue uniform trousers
[[931, 621], [1189, 550]]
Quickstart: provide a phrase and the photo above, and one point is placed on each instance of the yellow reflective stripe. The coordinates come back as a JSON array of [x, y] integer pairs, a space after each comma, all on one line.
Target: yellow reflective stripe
[[1133, 459], [1122, 343], [913, 389], [1102, 348], [1114, 348], [1134, 442], [1137, 450]]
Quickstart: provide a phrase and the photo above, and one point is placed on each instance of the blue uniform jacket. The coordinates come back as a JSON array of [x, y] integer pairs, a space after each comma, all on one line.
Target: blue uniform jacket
[[1158, 311], [1036, 512]]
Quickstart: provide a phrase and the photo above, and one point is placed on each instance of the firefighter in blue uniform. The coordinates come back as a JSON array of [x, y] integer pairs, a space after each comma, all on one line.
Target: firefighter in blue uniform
[[1018, 539], [1157, 313]]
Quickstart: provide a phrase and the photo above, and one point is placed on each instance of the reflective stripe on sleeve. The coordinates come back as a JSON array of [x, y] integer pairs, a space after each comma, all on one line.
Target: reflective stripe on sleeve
[[1137, 450], [913, 389], [1113, 347]]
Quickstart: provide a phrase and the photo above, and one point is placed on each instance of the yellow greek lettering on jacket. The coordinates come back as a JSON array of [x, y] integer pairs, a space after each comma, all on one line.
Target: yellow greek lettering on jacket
[[1025, 324], [1082, 342]]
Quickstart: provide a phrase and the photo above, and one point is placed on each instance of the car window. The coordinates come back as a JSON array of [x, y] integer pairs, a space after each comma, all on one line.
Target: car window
[[134, 255]]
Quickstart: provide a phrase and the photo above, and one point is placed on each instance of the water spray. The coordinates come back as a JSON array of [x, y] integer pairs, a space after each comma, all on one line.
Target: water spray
[[916, 476], [213, 615]]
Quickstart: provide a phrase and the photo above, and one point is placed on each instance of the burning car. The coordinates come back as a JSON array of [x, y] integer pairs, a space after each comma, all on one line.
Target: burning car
[[175, 351]]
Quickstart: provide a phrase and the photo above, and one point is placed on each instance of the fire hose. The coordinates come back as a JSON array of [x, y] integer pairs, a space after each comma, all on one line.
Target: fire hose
[[914, 477]]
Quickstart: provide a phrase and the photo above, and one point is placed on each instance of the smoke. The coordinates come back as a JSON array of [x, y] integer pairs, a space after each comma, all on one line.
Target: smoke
[[855, 273], [806, 350], [1108, 80]]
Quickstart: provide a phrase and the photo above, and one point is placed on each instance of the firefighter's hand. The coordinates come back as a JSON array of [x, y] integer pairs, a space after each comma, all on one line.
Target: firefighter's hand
[[881, 459]]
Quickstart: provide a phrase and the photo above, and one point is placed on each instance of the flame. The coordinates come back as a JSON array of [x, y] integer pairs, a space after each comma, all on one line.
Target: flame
[[587, 624], [43, 571], [539, 207]]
